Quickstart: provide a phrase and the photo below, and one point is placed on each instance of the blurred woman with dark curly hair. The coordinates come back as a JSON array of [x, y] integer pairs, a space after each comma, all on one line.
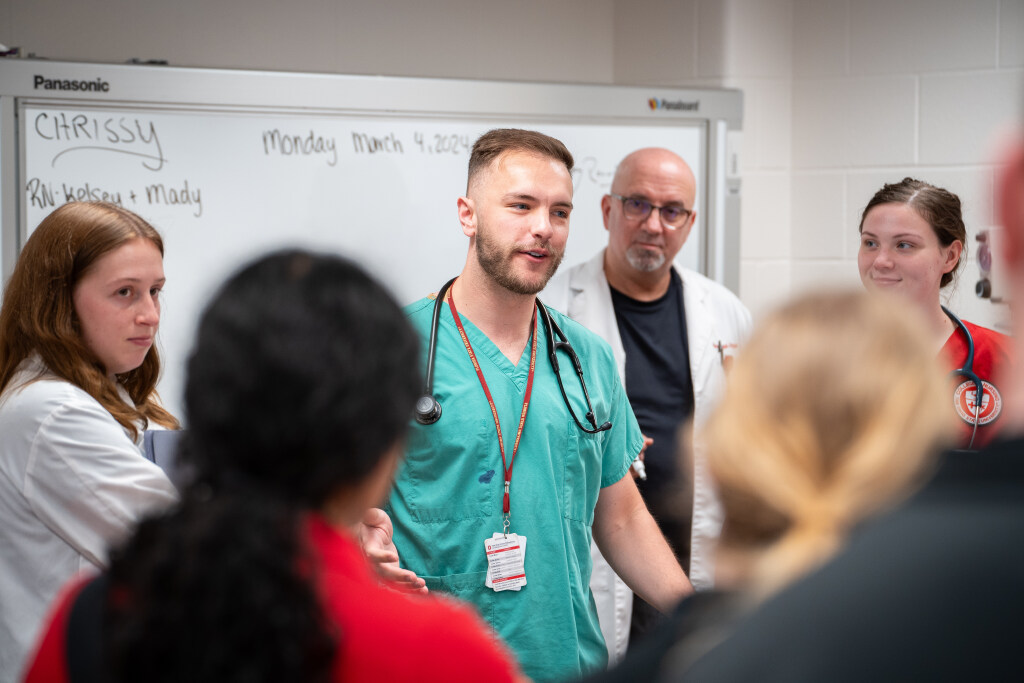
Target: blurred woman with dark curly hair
[[299, 390]]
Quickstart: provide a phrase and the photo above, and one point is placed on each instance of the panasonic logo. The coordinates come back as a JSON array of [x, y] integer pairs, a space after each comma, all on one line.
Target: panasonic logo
[[43, 83]]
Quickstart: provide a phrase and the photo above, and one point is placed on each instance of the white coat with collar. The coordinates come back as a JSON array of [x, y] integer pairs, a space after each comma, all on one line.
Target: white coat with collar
[[716, 323], [72, 483]]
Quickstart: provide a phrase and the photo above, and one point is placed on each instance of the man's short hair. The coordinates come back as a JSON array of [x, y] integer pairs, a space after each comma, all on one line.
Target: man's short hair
[[494, 143]]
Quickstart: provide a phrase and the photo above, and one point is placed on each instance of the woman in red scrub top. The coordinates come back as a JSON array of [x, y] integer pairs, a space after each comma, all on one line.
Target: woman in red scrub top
[[912, 238]]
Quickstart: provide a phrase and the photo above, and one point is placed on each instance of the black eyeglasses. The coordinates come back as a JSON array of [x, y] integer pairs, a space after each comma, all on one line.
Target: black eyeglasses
[[673, 216]]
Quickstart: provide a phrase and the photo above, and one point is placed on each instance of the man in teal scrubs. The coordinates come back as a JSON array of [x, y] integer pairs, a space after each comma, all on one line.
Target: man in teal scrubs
[[564, 486]]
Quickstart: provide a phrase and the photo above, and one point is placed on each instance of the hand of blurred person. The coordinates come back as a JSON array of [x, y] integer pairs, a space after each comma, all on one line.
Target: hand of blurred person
[[375, 535], [638, 470]]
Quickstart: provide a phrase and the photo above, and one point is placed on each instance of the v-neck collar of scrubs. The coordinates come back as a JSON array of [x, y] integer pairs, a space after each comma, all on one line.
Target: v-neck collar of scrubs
[[485, 348]]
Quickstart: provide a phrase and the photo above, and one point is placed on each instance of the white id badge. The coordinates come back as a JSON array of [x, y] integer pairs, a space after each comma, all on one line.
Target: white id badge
[[506, 568], [522, 546]]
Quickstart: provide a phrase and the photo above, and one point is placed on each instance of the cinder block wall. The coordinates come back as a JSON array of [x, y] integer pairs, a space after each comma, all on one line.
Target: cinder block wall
[[883, 90], [840, 97]]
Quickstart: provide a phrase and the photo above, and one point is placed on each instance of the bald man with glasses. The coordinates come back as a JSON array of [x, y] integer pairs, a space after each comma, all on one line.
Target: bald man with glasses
[[673, 332]]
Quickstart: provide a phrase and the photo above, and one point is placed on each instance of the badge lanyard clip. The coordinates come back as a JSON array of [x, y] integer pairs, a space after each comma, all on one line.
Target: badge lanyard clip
[[506, 509]]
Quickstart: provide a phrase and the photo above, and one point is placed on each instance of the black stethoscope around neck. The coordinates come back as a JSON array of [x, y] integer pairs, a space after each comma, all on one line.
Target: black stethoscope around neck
[[428, 408], [967, 371]]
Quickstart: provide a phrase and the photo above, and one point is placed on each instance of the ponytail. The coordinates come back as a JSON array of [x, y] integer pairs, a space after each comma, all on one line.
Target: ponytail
[[218, 590], [806, 443]]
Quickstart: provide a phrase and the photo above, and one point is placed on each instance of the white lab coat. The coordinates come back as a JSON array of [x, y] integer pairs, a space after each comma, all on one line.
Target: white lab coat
[[714, 317], [71, 483]]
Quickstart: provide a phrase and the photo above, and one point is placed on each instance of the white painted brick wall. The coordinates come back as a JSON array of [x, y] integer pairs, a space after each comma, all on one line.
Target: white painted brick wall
[[885, 89]]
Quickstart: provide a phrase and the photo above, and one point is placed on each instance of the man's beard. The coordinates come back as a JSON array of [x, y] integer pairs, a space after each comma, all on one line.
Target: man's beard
[[644, 259], [498, 265]]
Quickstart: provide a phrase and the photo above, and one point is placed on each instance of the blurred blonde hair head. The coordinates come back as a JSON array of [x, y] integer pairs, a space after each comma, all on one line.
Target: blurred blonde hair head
[[832, 412]]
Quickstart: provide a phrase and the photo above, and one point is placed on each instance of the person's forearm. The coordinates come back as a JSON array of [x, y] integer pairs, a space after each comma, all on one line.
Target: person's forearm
[[634, 546]]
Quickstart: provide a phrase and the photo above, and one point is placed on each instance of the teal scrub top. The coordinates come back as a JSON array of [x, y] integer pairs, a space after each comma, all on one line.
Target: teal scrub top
[[448, 493]]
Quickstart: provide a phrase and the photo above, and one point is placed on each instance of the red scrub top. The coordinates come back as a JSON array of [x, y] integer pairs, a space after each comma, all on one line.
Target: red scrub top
[[386, 635], [992, 357]]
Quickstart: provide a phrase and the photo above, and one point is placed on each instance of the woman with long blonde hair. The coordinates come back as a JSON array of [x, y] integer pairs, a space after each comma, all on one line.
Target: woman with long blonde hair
[[78, 374], [832, 412]]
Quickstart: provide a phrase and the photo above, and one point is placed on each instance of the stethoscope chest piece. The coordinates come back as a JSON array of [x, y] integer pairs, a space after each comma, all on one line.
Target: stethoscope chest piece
[[428, 410]]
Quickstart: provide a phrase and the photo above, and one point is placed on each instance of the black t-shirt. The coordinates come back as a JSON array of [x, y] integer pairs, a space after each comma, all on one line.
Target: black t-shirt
[[660, 390]]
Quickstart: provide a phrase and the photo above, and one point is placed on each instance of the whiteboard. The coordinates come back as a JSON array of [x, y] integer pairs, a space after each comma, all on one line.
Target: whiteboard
[[223, 183]]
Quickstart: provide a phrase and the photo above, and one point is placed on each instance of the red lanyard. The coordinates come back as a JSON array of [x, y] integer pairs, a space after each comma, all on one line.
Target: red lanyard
[[494, 410]]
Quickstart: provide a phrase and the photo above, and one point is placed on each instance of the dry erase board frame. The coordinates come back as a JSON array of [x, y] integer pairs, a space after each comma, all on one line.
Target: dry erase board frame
[[385, 154]]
